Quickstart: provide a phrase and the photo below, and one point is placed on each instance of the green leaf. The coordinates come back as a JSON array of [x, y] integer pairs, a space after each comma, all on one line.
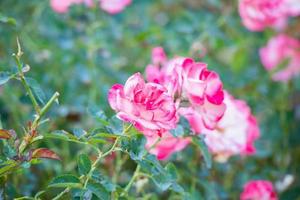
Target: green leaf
[[84, 164], [5, 77], [78, 132], [61, 135], [8, 20], [64, 181], [135, 146], [8, 167], [199, 141], [104, 181], [37, 90], [178, 131], [98, 190]]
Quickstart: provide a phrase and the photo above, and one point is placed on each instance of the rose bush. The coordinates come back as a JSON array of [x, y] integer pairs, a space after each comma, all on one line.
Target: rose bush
[[164, 100]]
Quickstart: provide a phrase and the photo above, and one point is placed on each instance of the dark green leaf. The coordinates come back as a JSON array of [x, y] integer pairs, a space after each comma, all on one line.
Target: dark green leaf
[[37, 90], [84, 164], [199, 141], [98, 190], [135, 146], [104, 181]]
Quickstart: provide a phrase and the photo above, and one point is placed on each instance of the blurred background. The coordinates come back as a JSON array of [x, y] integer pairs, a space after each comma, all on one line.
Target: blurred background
[[83, 52]]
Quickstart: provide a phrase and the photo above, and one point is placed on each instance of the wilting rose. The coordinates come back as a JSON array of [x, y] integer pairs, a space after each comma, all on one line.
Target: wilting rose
[[282, 50], [62, 6], [259, 14], [114, 6], [258, 190], [167, 145], [147, 106]]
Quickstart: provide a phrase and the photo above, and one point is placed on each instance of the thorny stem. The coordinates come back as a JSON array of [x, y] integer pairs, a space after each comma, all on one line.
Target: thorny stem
[[135, 175], [23, 80], [44, 110], [37, 120]]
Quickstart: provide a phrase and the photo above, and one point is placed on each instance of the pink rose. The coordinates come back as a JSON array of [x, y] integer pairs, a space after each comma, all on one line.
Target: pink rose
[[114, 6], [146, 105], [282, 49], [167, 145], [165, 72], [234, 134], [200, 84], [258, 190], [259, 14], [189, 80], [62, 6]]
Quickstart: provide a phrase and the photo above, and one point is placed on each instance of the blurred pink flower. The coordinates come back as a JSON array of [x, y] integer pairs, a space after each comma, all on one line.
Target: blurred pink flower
[[114, 6], [234, 134], [146, 105], [62, 6], [258, 190], [282, 49], [259, 14], [110, 6], [167, 145]]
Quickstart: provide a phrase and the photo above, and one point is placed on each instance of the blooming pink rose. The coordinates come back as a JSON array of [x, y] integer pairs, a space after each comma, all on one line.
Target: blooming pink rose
[[234, 134], [258, 190], [146, 105], [282, 49], [114, 6], [259, 14], [199, 83], [165, 72], [185, 78], [62, 6], [167, 145]]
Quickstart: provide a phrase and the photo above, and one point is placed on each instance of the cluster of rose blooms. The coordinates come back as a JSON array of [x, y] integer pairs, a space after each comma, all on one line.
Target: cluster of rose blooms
[[281, 49], [110, 6], [182, 87]]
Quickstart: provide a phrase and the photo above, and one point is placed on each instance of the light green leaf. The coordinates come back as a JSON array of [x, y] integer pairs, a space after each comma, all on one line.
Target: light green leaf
[[64, 181]]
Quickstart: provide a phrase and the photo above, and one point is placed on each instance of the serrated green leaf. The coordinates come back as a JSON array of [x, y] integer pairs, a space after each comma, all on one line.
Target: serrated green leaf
[[199, 141], [98, 190], [84, 164], [37, 90], [64, 181]]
